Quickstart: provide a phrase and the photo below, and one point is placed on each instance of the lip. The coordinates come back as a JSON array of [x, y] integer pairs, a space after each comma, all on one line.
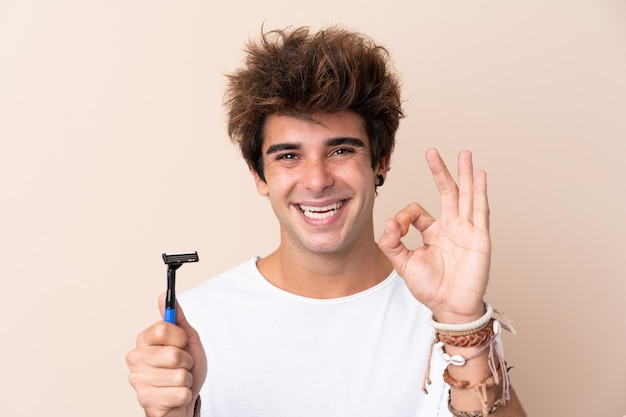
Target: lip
[[321, 212]]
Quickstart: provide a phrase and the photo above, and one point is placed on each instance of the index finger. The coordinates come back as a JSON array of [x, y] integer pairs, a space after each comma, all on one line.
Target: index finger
[[163, 333]]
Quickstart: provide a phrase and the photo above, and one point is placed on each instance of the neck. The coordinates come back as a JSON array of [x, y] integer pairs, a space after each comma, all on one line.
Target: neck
[[326, 275]]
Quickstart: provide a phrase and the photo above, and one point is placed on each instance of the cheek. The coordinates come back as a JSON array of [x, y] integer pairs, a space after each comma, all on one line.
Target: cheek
[[364, 177], [281, 181]]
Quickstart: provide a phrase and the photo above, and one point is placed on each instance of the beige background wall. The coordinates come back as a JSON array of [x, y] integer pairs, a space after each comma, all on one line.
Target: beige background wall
[[113, 150]]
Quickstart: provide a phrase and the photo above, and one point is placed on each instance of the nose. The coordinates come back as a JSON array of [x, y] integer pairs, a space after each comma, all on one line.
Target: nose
[[317, 175]]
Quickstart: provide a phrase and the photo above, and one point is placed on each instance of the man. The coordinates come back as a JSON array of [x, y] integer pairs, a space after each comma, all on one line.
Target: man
[[332, 323]]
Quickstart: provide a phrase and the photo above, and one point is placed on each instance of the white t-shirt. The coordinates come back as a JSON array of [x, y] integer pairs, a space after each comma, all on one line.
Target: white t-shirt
[[271, 353]]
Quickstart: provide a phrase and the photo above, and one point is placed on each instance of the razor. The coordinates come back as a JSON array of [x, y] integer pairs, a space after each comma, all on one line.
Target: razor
[[173, 262]]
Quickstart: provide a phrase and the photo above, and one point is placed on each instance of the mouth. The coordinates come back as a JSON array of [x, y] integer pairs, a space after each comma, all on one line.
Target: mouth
[[314, 212]]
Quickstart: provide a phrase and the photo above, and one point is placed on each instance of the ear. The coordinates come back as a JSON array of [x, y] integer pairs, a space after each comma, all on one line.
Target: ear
[[261, 186], [383, 166]]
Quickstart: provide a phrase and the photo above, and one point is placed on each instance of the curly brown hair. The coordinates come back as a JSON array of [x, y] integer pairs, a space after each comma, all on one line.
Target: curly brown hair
[[298, 73]]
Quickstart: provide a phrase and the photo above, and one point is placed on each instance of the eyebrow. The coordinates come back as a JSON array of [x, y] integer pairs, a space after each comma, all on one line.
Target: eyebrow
[[279, 147], [356, 142], [287, 146]]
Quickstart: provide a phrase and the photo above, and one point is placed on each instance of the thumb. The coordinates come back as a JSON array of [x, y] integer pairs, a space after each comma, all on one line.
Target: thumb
[[181, 320], [391, 242]]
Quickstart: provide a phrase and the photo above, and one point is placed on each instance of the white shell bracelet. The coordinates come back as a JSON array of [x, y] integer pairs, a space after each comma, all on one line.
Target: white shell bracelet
[[456, 360]]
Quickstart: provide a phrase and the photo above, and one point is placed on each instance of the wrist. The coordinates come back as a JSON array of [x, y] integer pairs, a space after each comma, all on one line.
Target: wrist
[[468, 314]]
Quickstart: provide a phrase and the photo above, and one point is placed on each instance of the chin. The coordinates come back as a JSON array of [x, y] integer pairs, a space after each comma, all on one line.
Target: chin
[[326, 248]]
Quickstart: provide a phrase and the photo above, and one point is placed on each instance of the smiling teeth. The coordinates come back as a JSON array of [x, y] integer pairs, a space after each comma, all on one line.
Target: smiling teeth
[[313, 212]]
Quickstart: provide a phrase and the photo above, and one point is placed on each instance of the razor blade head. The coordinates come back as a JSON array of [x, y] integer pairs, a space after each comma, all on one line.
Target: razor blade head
[[178, 258]]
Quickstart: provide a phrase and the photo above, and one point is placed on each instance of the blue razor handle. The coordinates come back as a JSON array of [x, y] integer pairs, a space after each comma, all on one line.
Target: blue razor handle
[[170, 315]]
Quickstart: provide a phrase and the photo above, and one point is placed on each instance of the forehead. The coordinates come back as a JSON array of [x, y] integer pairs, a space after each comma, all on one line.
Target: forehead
[[321, 126]]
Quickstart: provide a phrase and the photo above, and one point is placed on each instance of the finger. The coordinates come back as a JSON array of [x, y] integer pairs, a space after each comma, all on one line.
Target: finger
[[448, 189], [167, 357], [162, 333], [391, 244], [414, 214], [391, 239], [159, 401], [481, 203], [178, 377], [466, 185], [159, 357]]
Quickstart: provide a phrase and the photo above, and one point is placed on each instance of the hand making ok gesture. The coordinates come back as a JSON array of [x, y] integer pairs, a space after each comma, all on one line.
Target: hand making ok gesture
[[449, 273]]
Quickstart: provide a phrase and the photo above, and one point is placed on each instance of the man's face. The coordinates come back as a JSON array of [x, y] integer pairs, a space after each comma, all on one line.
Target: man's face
[[319, 180]]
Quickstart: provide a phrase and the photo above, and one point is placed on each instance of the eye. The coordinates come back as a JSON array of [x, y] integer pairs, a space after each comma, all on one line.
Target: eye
[[343, 151], [286, 156]]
